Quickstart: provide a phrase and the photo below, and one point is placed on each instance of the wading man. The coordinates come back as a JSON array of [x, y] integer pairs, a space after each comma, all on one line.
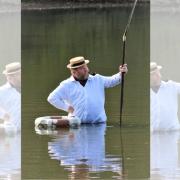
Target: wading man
[[164, 101], [10, 96], [83, 95]]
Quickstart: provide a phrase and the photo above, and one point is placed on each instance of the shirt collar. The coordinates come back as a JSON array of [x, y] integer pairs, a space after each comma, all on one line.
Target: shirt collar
[[89, 78], [163, 83], [8, 85], [72, 78]]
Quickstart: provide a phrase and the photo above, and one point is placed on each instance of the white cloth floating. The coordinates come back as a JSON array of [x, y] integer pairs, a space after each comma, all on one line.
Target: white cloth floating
[[47, 122]]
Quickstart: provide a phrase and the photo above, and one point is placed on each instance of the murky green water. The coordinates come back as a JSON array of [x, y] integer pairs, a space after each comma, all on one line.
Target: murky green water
[[49, 39]]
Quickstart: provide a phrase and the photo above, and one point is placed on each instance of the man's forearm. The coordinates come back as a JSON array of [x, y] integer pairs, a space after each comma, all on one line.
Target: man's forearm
[[58, 103]]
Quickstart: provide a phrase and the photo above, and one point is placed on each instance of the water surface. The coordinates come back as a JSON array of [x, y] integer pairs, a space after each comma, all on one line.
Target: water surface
[[10, 154], [49, 39]]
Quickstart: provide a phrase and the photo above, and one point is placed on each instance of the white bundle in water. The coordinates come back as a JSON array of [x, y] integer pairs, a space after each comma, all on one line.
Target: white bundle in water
[[74, 121], [54, 122]]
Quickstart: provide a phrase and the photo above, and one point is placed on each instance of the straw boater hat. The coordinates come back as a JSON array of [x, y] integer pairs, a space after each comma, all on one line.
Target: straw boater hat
[[77, 62], [12, 68], [154, 67]]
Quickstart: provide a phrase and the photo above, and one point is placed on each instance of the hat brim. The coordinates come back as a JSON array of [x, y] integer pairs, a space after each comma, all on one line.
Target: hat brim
[[74, 67], [9, 73], [158, 68]]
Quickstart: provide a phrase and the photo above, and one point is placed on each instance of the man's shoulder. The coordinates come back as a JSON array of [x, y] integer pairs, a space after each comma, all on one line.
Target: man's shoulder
[[171, 84], [7, 91], [67, 81], [95, 77], [4, 87]]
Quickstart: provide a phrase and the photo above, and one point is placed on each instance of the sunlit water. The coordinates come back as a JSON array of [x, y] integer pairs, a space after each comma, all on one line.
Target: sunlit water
[[49, 39]]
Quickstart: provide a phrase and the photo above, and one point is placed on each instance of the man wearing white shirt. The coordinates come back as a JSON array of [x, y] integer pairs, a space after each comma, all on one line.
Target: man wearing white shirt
[[83, 94], [164, 101], [10, 96]]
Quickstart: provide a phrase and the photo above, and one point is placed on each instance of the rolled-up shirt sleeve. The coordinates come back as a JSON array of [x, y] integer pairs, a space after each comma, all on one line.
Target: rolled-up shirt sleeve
[[58, 98], [111, 81]]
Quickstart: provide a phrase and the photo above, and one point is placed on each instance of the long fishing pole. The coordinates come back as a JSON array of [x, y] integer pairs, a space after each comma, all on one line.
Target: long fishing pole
[[123, 59]]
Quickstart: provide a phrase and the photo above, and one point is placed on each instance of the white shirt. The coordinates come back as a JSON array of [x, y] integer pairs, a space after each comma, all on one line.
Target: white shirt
[[10, 102], [88, 101], [164, 107], [2, 113]]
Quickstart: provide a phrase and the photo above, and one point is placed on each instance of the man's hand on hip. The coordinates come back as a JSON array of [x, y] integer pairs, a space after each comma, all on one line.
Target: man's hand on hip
[[70, 109]]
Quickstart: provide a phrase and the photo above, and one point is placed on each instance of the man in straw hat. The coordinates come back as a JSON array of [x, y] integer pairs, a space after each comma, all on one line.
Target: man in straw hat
[[10, 96], [164, 101], [82, 94]]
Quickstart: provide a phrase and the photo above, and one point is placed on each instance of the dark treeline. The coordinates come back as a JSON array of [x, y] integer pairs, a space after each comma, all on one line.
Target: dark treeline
[[68, 4], [83, 1]]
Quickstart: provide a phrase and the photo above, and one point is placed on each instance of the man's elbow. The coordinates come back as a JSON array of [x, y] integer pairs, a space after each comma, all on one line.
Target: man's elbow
[[50, 99]]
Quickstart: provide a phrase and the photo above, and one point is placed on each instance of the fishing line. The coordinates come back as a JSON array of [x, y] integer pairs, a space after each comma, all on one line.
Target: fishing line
[[123, 59]]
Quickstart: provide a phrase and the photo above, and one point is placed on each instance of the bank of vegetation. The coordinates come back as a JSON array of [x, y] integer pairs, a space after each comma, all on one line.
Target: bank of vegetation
[[69, 4]]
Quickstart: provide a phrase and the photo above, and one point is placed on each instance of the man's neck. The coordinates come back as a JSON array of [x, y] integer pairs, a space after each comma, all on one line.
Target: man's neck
[[156, 88], [82, 82], [16, 87]]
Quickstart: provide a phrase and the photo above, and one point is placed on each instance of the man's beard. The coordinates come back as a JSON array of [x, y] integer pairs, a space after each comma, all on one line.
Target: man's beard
[[84, 77]]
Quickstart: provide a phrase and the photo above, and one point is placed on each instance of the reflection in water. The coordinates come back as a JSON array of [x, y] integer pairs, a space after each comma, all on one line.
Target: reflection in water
[[92, 151], [165, 161], [10, 156], [82, 151]]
